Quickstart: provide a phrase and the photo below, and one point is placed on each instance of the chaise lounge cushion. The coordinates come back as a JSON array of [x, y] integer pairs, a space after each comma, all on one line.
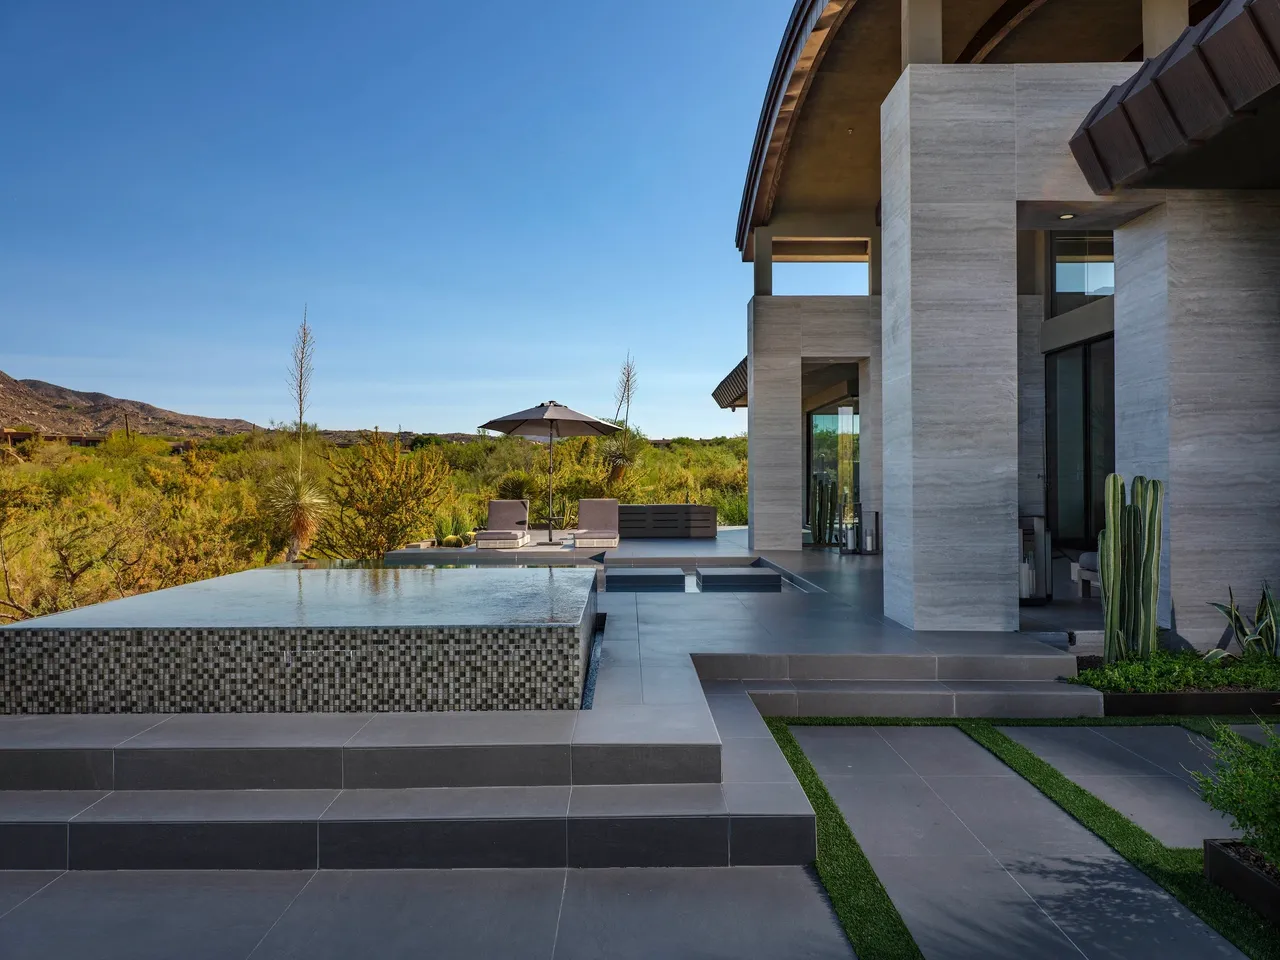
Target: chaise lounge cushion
[[1089, 561]]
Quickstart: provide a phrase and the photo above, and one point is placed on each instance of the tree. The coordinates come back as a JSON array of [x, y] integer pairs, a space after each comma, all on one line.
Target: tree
[[382, 498], [296, 501]]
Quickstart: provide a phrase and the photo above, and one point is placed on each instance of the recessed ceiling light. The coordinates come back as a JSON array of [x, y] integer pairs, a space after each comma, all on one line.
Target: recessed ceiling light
[[1066, 216]]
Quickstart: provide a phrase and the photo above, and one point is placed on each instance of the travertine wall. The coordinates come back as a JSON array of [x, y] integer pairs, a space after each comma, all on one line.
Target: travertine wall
[[781, 333], [950, 349], [1197, 321], [1031, 463]]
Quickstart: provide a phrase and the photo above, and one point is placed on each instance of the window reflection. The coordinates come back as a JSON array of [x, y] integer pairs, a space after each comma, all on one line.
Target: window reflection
[[1084, 269]]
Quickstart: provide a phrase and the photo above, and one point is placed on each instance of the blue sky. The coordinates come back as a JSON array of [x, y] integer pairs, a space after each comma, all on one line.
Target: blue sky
[[485, 205]]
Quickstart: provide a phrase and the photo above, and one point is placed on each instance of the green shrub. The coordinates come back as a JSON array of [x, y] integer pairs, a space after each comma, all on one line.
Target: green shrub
[[1167, 672], [1246, 787]]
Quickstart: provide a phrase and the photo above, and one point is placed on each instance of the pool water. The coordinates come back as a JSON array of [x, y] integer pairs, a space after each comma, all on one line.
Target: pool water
[[348, 597]]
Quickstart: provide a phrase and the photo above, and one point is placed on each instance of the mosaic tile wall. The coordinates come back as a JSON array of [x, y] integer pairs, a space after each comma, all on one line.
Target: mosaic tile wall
[[318, 670]]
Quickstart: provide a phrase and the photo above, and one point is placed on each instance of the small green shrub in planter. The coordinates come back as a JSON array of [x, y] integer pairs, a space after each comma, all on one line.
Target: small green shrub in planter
[[1169, 672], [1246, 787], [451, 541]]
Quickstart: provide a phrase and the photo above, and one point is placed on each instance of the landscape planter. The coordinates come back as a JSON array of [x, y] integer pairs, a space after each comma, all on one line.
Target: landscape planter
[[1242, 879], [1191, 703]]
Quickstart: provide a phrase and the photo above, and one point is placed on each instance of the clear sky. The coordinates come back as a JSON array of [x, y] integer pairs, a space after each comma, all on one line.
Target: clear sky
[[485, 205]]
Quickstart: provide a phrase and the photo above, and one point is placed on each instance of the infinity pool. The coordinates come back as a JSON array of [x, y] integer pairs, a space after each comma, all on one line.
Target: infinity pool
[[334, 640], [335, 597]]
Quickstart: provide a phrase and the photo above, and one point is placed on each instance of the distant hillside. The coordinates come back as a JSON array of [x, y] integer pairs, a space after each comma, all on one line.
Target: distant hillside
[[54, 409]]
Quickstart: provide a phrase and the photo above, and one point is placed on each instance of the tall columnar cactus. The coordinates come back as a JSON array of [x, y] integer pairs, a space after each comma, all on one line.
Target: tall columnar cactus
[[1129, 567]]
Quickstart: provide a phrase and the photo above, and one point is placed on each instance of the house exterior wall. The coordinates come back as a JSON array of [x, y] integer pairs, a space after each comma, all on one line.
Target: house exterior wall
[[1197, 320], [781, 333], [962, 148]]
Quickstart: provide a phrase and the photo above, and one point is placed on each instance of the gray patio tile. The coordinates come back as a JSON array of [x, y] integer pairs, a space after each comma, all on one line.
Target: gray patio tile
[[942, 752], [56, 768], [737, 716], [646, 724], [228, 768], [1110, 909], [861, 666], [873, 698], [767, 799], [450, 803], [753, 760], [45, 806], [1023, 665], [1080, 751], [621, 653], [969, 908], [900, 815], [154, 914], [396, 914], [746, 912], [17, 885], [1166, 807], [622, 763], [1174, 749], [747, 666], [850, 751], [463, 765], [77, 731], [199, 806], [252, 730], [618, 685], [648, 800], [723, 687], [671, 684], [466, 727], [1013, 818]]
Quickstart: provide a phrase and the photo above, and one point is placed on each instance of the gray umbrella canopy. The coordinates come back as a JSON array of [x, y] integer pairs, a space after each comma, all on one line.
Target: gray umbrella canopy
[[551, 420]]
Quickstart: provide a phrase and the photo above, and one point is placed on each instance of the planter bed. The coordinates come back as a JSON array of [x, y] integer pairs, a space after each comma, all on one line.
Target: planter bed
[[1192, 703], [1258, 886]]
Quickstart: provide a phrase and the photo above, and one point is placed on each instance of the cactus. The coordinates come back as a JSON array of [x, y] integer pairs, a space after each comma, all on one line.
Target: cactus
[[1129, 567], [451, 541]]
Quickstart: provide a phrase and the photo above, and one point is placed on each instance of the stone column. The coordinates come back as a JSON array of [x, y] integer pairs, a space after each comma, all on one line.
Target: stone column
[[775, 436], [921, 31], [870, 430], [950, 348], [1197, 327]]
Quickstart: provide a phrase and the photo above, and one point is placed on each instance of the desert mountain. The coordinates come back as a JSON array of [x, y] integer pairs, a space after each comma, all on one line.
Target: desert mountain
[[54, 409]]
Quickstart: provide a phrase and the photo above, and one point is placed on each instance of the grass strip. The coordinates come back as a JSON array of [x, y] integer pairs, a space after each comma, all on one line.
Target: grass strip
[[1179, 871], [869, 918]]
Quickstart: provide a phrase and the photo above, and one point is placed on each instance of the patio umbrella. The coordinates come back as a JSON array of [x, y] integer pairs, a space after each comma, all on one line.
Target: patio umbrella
[[550, 420]]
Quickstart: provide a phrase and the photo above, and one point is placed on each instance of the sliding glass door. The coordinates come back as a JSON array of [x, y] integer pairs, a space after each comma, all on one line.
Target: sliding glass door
[[1080, 438], [832, 477]]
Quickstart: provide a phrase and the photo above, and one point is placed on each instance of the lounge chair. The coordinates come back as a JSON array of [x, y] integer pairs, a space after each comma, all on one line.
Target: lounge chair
[[508, 525], [597, 524]]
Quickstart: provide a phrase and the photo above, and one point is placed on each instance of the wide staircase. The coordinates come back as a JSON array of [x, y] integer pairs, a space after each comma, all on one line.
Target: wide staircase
[[637, 785]]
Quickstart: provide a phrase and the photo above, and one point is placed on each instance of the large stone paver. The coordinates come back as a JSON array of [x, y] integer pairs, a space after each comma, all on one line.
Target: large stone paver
[[1142, 771], [748, 912], [982, 865]]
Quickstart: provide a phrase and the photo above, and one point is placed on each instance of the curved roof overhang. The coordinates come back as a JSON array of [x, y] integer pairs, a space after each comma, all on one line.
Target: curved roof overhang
[[809, 31], [1200, 114], [732, 390]]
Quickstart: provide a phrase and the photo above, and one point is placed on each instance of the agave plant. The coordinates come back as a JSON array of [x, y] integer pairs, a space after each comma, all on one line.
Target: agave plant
[[1256, 636]]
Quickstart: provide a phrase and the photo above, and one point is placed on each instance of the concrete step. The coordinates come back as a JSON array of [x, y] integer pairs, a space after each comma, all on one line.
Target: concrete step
[[1029, 661], [739, 579], [644, 579], [610, 745], [638, 825], [925, 698]]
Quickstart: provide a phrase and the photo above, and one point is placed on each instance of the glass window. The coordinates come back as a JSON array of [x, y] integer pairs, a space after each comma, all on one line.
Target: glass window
[[1083, 269], [1080, 439], [833, 470]]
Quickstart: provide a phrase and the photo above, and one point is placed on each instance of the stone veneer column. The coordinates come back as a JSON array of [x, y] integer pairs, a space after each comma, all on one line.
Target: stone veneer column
[[1031, 462], [870, 433], [775, 437], [950, 348], [1197, 321]]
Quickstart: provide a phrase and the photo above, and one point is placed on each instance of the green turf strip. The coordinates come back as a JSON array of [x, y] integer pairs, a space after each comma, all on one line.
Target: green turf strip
[[869, 917], [870, 920]]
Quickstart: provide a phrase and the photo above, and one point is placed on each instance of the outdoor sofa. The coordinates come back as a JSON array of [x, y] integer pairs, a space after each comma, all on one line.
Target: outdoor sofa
[[597, 524], [508, 525]]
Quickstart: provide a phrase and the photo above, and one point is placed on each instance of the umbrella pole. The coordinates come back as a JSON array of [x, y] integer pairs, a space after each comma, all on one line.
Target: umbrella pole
[[551, 471]]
